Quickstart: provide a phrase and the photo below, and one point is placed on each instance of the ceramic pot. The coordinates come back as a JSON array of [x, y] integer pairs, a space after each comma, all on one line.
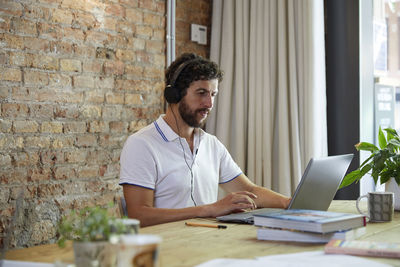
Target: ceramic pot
[[392, 186], [95, 254]]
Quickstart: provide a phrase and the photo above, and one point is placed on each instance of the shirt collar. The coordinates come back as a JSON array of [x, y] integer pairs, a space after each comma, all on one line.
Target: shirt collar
[[166, 131]]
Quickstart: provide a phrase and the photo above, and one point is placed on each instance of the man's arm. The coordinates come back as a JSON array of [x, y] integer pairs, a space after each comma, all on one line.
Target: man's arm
[[266, 198], [140, 205]]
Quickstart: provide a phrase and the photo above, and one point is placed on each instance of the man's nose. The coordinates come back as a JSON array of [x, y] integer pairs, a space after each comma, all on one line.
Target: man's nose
[[209, 101]]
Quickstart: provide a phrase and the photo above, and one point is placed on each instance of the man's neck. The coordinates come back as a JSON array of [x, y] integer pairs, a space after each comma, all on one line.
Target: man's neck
[[178, 125]]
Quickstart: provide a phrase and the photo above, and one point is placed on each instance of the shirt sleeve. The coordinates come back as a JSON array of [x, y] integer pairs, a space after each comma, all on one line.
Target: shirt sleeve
[[229, 170], [138, 166]]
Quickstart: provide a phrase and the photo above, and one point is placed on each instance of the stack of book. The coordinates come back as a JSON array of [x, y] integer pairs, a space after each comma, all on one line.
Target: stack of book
[[309, 226]]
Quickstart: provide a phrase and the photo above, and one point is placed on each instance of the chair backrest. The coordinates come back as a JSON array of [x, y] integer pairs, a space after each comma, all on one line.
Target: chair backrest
[[122, 207]]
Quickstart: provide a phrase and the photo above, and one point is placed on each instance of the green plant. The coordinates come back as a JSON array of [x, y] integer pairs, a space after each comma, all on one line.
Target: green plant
[[89, 224], [383, 163]]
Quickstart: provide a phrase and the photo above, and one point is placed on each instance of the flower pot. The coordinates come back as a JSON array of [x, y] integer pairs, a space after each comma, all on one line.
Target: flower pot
[[392, 186], [99, 254]]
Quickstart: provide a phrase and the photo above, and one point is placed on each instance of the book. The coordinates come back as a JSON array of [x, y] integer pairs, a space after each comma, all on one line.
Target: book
[[310, 220], [363, 248], [278, 234]]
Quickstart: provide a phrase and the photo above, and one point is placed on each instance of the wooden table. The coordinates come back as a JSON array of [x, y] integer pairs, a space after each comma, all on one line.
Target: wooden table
[[188, 246]]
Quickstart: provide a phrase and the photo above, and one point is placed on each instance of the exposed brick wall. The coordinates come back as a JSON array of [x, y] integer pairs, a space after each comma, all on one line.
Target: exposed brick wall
[[76, 78]]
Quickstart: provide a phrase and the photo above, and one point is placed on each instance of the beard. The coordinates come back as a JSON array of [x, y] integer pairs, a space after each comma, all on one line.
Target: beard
[[190, 116]]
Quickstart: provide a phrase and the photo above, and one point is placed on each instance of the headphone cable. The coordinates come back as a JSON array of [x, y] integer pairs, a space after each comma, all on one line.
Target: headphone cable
[[184, 156]]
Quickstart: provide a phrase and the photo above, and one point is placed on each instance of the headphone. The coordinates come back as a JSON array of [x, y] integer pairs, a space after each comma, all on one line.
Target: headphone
[[171, 93]]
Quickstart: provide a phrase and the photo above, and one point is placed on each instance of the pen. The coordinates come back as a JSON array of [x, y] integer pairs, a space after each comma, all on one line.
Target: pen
[[219, 226]]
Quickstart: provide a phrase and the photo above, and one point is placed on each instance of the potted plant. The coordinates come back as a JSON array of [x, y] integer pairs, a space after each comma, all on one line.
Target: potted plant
[[383, 164], [93, 232]]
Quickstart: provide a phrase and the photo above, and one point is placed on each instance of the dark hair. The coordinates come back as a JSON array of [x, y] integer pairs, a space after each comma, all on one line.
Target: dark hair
[[198, 69]]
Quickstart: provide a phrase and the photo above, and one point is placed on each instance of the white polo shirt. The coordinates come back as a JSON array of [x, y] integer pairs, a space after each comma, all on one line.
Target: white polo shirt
[[153, 158]]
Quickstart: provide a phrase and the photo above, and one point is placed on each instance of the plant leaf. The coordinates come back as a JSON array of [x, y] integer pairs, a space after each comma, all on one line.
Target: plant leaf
[[366, 147], [392, 132], [351, 178], [382, 139]]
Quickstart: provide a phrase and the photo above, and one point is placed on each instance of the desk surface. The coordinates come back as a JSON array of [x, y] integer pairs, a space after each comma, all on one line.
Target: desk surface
[[188, 246]]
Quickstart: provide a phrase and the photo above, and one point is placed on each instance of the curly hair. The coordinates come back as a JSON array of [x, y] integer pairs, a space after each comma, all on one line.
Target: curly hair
[[198, 69]]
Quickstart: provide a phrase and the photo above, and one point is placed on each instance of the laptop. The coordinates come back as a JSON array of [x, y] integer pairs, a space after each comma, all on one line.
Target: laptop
[[316, 189]]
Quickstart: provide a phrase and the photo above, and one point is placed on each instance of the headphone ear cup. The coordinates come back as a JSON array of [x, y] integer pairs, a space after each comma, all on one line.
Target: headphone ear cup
[[171, 94]]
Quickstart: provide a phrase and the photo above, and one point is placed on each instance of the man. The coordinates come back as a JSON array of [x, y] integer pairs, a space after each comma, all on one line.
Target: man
[[171, 169]]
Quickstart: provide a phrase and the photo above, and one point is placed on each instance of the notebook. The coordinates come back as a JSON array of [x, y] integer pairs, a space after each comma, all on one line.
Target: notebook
[[316, 190]]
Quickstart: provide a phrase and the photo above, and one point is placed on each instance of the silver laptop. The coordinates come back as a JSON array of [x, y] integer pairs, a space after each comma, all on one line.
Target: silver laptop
[[316, 190]]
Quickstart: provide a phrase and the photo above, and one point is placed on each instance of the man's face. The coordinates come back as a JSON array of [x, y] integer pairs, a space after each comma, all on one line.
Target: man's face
[[198, 102]]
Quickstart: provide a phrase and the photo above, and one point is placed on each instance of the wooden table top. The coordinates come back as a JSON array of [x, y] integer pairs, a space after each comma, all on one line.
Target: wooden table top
[[188, 246]]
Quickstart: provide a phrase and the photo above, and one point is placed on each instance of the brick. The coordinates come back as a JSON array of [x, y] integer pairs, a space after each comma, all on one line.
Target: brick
[[110, 141], [125, 55], [77, 156], [114, 67], [75, 35], [83, 5], [94, 96], [44, 62], [88, 172], [104, 82], [134, 15], [82, 51], [25, 159], [87, 140], [96, 37], [62, 142], [83, 81], [116, 10], [156, 47], [93, 66], [39, 174], [145, 4], [114, 98], [23, 26], [41, 111], [14, 110], [70, 112], [111, 113], [9, 74], [12, 176], [49, 31], [5, 125], [136, 44], [51, 127], [152, 19], [159, 35], [4, 58], [134, 99], [17, 59], [98, 156], [59, 80], [11, 41], [105, 53], [144, 31], [36, 12], [126, 28], [5, 160], [62, 16], [110, 23], [37, 142], [11, 8], [25, 127], [152, 72], [135, 71], [118, 127], [144, 57], [4, 197], [90, 112], [35, 78], [51, 157], [71, 65], [98, 127], [64, 48], [75, 127], [85, 20], [64, 173]]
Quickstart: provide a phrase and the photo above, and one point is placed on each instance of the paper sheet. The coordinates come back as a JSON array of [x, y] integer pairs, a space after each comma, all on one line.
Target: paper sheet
[[8, 263], [303, 259]]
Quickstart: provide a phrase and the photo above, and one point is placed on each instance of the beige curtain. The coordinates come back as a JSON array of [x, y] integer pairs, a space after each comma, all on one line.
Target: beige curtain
[[271, 107]]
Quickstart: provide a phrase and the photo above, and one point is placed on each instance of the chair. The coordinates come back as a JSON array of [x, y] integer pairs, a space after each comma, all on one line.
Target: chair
[[122, 206]]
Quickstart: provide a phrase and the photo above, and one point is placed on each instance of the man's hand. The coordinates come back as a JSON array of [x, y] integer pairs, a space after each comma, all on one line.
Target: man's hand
[[234, 202]]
